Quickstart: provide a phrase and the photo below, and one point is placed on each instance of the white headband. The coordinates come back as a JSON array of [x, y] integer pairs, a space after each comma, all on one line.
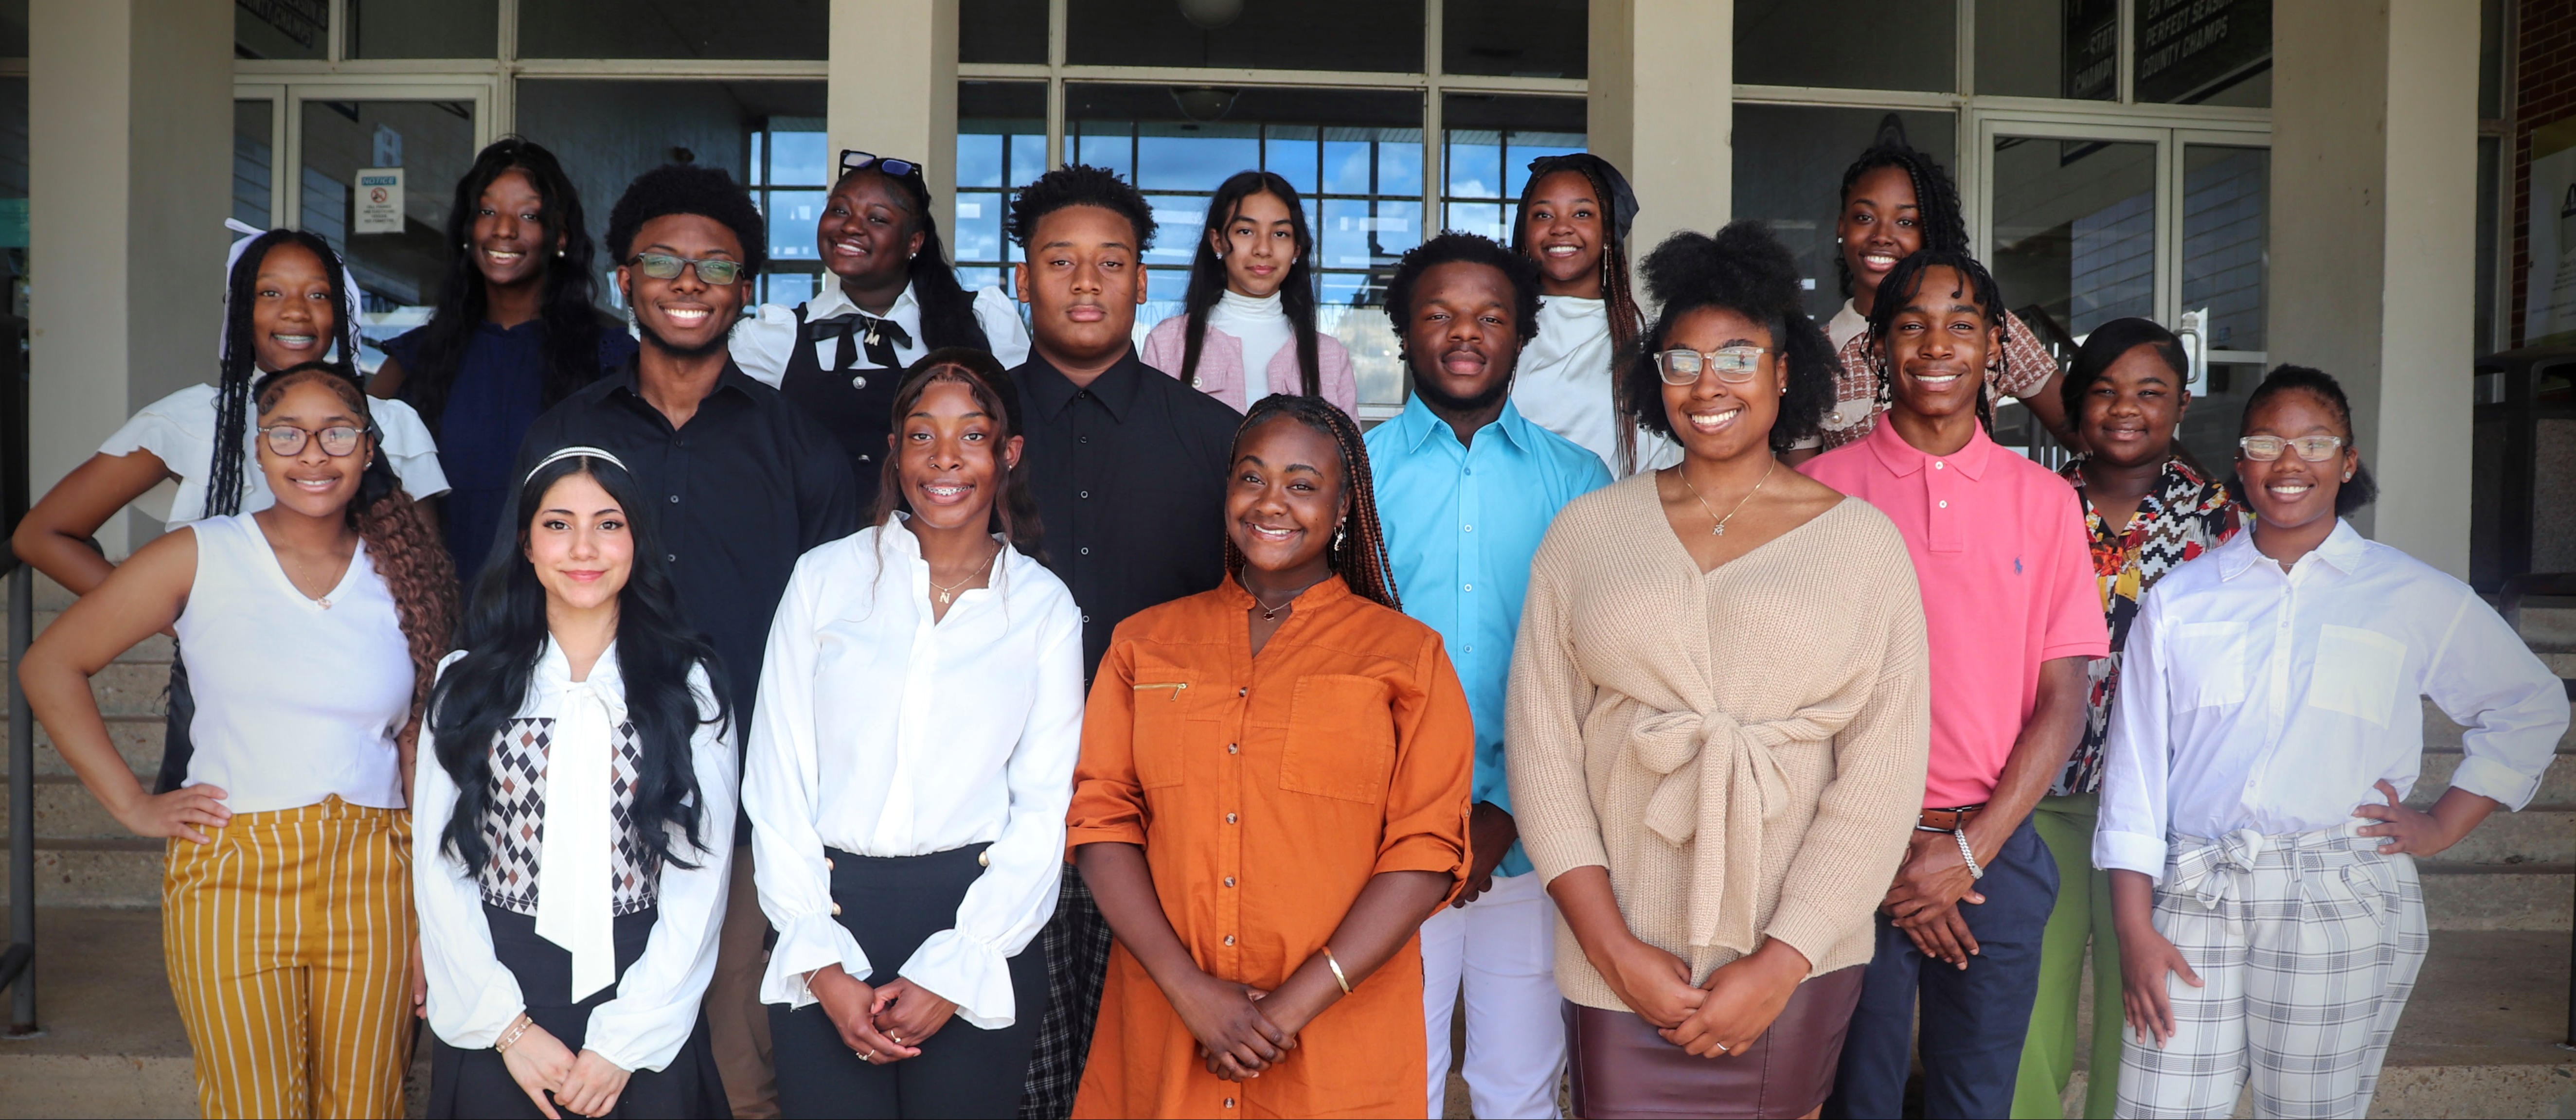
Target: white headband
[[582, 452]]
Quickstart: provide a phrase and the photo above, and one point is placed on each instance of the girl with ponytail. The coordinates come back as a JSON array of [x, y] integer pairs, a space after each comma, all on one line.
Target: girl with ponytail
[[311, 628], [841, 354], [287, 300], [1248, 325]]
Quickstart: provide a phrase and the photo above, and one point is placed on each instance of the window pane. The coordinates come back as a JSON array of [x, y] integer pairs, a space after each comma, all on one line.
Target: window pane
[[798, 155], [608, 132], [2224, 211], [1789, 163], [1290, 152], [788, 289], [673, 29], [13, 28], [2075, 231], [2190, 51], [1178, 219], [2049, 48], [2491, 19], [1494, 138], [1193, 156], [1311, 35], [1525, 38], [1484, 219], [792, 216], [423, 28], [252, 191], [1002, 31], [2485, 332], [1856, 44], [280, 29], [976, 234], [1001, 135], [398, 272]]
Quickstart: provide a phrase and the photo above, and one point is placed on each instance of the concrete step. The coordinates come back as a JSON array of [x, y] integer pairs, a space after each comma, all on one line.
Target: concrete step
[[156, 649], [138, 737], [2533, 836], [130, 688], [2549, 624], [115, 873], [2490, 897], [2557, 784], [66, 811]]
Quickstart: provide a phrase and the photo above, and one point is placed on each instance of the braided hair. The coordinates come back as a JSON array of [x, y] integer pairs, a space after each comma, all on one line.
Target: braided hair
[[1936, 198], [240, 363], [1903, 283], [1625, 318], [1358, 555]]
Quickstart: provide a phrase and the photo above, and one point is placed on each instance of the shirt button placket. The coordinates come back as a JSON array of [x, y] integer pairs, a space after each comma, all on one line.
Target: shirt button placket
[[1229, 906]]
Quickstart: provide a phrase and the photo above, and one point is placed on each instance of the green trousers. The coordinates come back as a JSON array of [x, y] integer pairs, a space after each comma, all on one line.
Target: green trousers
[[2083, 913]]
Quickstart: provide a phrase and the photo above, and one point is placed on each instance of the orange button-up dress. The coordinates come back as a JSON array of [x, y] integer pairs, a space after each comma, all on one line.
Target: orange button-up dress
[[1266, 791]]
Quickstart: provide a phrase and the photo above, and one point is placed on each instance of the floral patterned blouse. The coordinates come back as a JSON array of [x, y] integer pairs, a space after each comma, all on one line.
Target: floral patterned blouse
[[2182, 517]]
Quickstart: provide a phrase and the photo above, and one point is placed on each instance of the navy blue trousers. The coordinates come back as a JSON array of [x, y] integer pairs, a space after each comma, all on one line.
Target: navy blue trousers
[[1973, 1019]]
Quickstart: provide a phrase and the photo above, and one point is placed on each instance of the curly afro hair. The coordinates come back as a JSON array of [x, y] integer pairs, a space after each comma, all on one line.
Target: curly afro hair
[[682, 188], [1745, 270], [1076, 184], [1468, 248]]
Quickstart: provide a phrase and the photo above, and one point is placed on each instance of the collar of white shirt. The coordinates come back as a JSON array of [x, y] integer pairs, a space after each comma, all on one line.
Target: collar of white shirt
[[2345, 549], [553, 676], [833, 303]]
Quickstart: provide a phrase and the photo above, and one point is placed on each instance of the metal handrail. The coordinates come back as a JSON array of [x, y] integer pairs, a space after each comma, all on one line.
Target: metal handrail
[[18, 962]]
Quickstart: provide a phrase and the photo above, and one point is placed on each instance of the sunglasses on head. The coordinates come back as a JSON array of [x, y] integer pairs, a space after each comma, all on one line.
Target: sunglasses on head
[[853, 159]]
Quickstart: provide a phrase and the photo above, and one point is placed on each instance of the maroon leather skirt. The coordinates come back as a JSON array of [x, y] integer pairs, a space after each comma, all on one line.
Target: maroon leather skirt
[[1622, 1068]]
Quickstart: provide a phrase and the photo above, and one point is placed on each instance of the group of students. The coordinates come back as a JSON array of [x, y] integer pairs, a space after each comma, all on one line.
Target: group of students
[[835, 718]]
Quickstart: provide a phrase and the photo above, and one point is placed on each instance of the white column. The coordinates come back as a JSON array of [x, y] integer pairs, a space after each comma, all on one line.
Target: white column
[[894, 86], [129, 129], [2374, 179], [1662, 108]]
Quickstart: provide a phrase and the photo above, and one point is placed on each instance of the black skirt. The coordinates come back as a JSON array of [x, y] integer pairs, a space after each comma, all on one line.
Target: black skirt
[[475, 1083]]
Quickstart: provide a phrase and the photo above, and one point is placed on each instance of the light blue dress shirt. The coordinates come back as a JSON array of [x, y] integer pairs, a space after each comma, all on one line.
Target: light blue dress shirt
[[1461, 524]]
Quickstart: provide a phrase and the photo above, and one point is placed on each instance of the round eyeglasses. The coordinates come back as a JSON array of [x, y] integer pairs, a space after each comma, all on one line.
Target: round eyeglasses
[[1734, 365], [339, 441], [663, 266], [2314, 449]]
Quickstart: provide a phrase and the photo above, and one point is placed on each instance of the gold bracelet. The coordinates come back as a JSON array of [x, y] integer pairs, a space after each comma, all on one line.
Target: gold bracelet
[[1336, 966], [510, 1036]]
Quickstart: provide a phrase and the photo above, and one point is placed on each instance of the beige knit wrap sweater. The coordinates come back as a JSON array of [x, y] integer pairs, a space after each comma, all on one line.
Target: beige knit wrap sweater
[[1743, 749]]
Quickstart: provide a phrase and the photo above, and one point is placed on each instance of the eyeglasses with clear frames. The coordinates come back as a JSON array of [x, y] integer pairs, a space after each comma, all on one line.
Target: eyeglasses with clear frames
[[339, 441], [663, 266], [2314, 449], [1734, 365]]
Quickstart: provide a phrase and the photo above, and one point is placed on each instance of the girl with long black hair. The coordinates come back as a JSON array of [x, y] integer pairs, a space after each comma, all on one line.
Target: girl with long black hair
[[287, 301], [575, 814], [515, 331], [311, 627], [1573, 220], [1247, 328], [911, 757], [841, 354]]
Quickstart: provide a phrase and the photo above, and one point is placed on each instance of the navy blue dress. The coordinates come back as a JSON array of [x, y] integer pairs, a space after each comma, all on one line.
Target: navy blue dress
[[499, 391]]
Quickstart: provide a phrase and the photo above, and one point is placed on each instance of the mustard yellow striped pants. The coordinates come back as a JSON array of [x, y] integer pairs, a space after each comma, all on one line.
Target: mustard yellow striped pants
[[288, 940]]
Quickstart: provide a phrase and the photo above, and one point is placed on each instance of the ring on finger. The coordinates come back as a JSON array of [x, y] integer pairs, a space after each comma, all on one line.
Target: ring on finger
[[1723, 1048]]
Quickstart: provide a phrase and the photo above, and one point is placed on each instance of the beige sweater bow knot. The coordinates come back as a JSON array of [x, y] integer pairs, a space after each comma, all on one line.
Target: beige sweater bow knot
[[1721, 782]]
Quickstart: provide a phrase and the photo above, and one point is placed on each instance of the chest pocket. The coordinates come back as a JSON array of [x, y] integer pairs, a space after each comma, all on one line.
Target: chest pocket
[[1164, 698], [2356, 673], [2208, 665], [1341, 739]]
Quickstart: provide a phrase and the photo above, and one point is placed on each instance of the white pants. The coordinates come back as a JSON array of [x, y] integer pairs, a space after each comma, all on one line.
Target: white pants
[[2307, 945], [1503, 948]]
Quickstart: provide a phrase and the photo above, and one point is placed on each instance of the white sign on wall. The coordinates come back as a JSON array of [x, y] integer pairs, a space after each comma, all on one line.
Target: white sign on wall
[[379, 201]]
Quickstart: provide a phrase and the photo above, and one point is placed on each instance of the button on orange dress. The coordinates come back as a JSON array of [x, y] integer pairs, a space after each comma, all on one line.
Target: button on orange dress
[[1266, 791]]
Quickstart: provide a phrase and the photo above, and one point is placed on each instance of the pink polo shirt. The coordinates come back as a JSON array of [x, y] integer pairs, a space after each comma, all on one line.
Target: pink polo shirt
[[1999, 548]]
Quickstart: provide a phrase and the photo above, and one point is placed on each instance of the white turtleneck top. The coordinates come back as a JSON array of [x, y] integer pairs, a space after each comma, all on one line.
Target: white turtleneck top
[[1263, 327]]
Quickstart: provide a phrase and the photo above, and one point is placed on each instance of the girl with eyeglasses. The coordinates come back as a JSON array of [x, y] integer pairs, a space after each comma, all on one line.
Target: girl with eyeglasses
[[515, 331], [287, 300], [1247, 328], [1718, 716], [311, 629], [840, 354], [575, 820], [2266, 741]]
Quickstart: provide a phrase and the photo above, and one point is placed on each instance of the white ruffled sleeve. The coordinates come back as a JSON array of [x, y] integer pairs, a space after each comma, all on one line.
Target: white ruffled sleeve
[[763, 341], [657, 999], [779, 792], [999, 315], [413, 450], [969, 964], [472, 996]]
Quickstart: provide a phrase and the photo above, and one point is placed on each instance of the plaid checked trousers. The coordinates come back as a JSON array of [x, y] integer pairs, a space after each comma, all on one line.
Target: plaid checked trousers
[[1077, 947], [2308, 945]]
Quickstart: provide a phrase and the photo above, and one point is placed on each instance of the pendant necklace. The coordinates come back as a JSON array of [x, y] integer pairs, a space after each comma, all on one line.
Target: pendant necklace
[[950, 592], [1720, 531], [1270, 613]]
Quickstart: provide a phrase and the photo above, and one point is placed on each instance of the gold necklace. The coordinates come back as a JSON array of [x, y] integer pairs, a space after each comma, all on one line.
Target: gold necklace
[[1684, 474], [949, 592], [1268, 612]]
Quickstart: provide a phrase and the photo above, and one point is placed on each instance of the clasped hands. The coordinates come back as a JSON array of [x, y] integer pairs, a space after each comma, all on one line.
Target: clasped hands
[[1924, 900], [880, 1023], [1243, 1030], [584, 1084], [1722, 1016]]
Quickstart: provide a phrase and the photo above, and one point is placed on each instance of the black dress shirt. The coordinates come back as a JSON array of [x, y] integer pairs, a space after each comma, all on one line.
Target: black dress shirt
[[1129, 475], [739, 492]]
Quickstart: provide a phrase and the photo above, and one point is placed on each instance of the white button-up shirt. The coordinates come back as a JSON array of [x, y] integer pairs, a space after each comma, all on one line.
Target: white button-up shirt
[[766, 338], [882, 732], [2257, 698]]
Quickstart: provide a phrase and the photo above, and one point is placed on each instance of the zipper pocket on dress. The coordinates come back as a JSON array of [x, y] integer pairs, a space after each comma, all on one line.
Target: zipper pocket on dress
[[1175, 686]]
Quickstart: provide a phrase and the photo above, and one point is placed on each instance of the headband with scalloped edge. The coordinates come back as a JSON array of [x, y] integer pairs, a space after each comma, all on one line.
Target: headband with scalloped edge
[[583, 451]]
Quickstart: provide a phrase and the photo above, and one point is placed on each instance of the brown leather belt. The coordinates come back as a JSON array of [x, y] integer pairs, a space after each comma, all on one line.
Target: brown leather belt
[[1947, 820]]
